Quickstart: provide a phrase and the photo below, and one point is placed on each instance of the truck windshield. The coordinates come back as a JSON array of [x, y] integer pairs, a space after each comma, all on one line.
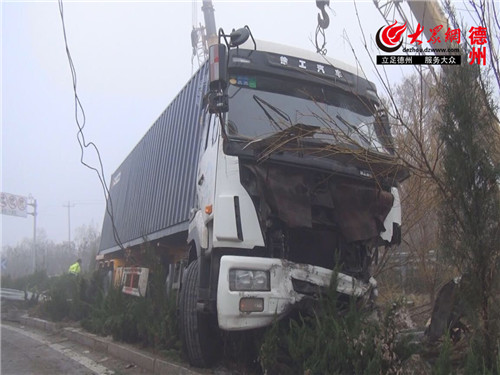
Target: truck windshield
[[262, 106]]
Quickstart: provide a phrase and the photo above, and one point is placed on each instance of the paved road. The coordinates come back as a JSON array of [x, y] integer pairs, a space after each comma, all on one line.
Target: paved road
[[26, 352]]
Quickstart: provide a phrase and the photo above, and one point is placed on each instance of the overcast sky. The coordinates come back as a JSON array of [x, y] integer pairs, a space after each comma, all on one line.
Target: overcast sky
[[131, 59]]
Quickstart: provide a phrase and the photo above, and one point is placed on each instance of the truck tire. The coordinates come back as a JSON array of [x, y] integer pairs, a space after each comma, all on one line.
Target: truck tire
[[198, 340]]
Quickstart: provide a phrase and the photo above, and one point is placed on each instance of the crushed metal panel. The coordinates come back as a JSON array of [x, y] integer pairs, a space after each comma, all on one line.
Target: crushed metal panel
[[393, 217], [447, 310], [282, 296], [361, 210]]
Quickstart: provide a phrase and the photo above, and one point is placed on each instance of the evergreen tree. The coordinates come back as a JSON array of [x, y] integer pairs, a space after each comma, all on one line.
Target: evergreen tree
[[470, 215]]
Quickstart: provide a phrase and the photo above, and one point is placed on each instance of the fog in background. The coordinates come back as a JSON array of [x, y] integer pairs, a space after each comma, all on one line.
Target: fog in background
[[131, 60]]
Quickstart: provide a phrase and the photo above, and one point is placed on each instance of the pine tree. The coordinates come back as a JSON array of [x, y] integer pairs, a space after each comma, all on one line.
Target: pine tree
[[470, 215]]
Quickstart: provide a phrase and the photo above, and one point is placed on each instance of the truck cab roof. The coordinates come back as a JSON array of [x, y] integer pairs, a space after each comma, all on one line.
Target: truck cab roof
[[282, 49]]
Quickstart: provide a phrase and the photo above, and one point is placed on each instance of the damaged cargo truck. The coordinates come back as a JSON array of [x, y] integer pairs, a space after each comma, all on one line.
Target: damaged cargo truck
[[272, 167]]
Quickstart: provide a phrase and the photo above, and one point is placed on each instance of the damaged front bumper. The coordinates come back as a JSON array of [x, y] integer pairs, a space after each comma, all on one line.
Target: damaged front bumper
[[289, 283]]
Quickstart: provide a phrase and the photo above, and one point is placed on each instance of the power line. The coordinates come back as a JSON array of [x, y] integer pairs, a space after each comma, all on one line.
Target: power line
[[88, 202], [81, 137]]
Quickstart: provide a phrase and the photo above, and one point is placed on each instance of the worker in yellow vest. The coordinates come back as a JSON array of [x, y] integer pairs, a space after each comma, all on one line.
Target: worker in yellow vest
[[75, 268]]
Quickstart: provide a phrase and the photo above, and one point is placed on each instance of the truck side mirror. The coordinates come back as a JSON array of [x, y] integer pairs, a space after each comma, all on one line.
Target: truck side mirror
[[217, 57], [238, 37]]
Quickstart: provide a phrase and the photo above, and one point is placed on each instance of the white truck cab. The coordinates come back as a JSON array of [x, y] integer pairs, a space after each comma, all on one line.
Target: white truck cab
[[296, 177]]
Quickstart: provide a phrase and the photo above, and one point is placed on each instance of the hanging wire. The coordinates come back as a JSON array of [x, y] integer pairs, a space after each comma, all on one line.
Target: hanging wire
[[80, 123]]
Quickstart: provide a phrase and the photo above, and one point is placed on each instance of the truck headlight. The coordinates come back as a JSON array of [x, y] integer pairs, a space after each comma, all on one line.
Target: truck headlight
[[249, 280]]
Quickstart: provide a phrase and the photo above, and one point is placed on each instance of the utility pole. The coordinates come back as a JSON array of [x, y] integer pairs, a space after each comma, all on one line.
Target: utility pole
[[34, 213], [68, 206]]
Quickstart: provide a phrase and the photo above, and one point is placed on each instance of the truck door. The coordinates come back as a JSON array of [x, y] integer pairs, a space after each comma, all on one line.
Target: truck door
[[207, 165]]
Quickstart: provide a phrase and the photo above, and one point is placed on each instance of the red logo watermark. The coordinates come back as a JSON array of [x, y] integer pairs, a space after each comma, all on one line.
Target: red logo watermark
[[478, 36], [388, 38]]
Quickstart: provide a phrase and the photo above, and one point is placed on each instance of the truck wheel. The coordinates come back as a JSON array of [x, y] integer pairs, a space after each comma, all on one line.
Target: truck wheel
[[197, 336]]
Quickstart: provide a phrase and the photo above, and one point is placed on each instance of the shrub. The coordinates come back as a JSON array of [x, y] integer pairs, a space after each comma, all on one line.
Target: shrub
[[334, 340], [65, 299], [149, 320]]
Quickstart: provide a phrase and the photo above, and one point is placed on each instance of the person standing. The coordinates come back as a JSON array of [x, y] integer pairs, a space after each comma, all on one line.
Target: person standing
[[75, 268]]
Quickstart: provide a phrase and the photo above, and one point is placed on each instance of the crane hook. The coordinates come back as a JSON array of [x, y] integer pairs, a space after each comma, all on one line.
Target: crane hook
[[323, 19]]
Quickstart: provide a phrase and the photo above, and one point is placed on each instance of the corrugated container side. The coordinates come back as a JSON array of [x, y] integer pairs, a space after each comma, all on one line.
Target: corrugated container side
[[154, 188]]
